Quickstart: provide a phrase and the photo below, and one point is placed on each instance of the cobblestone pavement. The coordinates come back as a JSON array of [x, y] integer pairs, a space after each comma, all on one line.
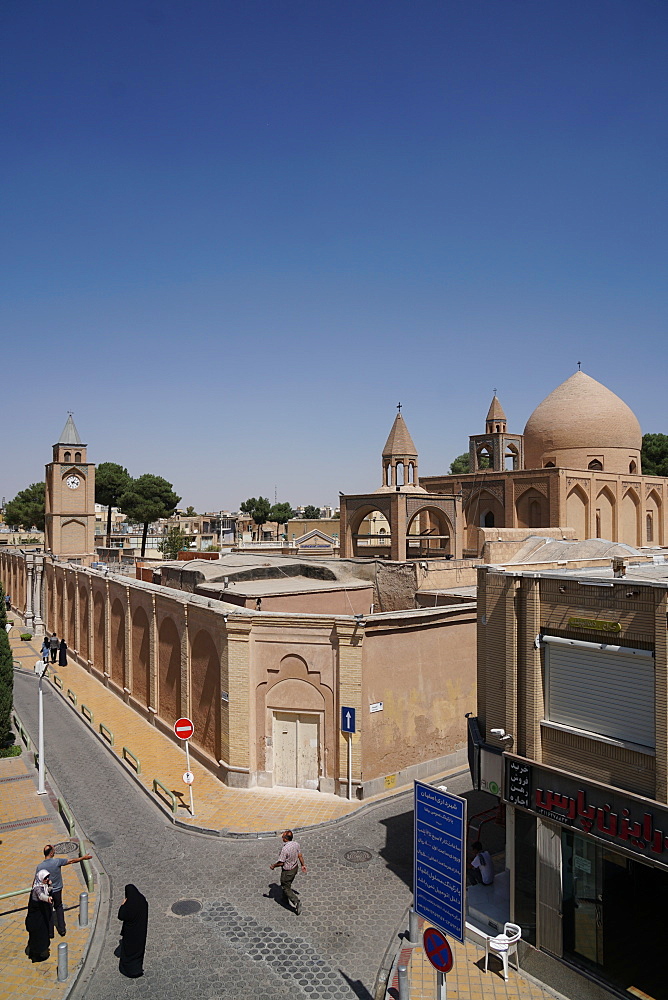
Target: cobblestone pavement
[[242, 943]]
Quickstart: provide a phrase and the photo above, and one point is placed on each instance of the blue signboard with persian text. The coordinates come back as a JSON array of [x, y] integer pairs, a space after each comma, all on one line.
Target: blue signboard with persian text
[[440, 859]]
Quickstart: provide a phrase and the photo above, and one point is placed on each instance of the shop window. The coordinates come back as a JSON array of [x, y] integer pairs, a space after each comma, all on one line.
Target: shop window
[[525, 874]]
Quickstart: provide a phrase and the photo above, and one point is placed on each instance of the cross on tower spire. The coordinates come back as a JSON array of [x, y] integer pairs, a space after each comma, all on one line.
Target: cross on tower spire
[[399, 408]]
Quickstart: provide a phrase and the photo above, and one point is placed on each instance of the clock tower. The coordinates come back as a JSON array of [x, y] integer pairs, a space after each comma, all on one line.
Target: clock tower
[[70, 498]]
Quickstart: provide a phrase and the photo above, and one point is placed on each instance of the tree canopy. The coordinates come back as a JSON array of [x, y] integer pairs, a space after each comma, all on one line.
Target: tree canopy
[[654, 454], [111, 481], [147, 499], [462, 464], [257, 508], [175, 541], [26, 510], [281, 513], [311, 513]]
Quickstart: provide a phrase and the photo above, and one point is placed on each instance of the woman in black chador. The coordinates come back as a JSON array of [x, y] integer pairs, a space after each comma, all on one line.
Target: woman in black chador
[[134, 914], [62, 654], [39, 919]]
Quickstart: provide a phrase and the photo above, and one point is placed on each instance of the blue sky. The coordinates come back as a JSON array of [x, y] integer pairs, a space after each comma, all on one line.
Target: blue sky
[[236, 234]]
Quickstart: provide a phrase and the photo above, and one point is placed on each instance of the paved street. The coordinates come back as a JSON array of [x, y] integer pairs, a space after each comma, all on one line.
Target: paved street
[[242, 943]]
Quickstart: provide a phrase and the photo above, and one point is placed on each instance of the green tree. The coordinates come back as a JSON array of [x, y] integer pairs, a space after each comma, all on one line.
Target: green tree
[[6, 680], [311, 513], [258, 509], [111, 481], [191, 512], [281, 514], [174, 542], [27, 508], [147, 499], [462, 464], [654, 454]]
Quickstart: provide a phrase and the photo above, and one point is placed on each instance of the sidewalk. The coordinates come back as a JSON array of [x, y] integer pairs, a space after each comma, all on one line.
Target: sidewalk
[[467, 980], [28, 821], [217, 807]]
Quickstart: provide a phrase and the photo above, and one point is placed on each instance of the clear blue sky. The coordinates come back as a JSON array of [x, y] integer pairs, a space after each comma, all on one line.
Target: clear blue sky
[[235, 233]]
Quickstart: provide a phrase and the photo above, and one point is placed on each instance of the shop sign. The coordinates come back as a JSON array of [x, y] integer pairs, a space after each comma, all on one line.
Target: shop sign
[[594, 623], [609, 815]]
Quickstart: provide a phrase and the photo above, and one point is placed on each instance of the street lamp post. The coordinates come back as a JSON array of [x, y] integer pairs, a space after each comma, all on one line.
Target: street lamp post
[[40, 670]]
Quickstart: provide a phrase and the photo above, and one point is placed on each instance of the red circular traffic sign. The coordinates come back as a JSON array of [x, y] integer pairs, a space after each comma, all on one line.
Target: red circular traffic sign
[[438, 950], [184, 729]]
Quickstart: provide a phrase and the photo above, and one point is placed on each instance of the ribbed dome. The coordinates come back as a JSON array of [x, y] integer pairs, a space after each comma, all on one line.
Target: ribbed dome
[[581, 415]]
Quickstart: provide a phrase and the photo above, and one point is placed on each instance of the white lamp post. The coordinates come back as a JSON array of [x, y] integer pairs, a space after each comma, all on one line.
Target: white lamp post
[[40, 670]]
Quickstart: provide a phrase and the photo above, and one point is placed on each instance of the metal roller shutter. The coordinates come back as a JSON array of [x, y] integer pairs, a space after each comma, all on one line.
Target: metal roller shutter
[[601, 689]]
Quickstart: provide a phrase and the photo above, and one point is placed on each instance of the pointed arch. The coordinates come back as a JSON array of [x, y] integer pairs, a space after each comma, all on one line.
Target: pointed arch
[[117, 664], [577, 511], [606, 504], [629, 518], [653, 519], [205, 692], [532, 509], [99, 633], [141, 657], [169, 671]]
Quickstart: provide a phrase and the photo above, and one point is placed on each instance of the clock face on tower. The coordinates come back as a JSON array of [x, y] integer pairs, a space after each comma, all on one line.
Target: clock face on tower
[[73, 482]]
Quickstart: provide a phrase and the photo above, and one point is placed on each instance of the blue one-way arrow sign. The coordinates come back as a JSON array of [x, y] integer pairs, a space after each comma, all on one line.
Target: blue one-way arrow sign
[[347, 720]]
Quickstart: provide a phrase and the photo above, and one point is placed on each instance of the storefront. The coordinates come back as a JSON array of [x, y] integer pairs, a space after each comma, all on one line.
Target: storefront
[[590, 875]]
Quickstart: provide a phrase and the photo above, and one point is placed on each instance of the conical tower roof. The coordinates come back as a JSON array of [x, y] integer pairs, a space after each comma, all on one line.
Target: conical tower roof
[[495, 411], [69, 433], [399, 442]]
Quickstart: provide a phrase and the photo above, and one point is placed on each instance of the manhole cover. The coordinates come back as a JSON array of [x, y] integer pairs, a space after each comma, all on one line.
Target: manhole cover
[[185, 907], [66, 847], [360, 856]]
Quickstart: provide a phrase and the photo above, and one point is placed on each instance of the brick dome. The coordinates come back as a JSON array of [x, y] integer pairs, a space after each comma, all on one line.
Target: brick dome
[[580, 423]]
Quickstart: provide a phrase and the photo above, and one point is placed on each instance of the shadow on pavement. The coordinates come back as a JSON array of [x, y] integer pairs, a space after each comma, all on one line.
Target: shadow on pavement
[[358, 988]]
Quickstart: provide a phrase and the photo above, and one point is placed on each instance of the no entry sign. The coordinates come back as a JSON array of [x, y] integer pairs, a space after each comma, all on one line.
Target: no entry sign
[[438, 950], [184, 729]]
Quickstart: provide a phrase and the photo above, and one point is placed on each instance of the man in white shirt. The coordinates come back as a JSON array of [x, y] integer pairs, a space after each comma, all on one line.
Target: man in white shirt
[[483, 868], [289, 860]]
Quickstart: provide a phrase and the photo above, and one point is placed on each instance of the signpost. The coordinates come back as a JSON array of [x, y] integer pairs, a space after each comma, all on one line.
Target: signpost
[[348, 727], [440, 859], [184, 729], [438, 951]]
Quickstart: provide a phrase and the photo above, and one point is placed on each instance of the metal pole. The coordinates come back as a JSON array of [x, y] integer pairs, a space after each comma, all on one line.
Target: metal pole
[[83, 909], [350, 765], [62, 962], [413, 926], [402, 972], [441, 987], [41, 787], [190, 787]]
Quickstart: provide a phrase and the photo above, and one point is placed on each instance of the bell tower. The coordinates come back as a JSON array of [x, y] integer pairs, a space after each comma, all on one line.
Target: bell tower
[[69, 529], [496, 449]]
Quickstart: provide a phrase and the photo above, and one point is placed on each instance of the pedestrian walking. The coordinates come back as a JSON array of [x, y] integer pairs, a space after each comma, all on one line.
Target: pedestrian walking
[[62, 654], [53, 646], [134, 914], [482, 865], [8, 602], [39, 918], [44, 652], [288, 861], [53, 865]]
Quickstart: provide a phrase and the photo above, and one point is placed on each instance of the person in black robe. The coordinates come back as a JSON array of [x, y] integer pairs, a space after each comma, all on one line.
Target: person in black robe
[[62, 654], [39, 919], [134, 914]]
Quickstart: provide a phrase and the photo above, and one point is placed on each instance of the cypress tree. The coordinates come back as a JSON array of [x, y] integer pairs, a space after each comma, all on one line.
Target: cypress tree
[[6, 688]]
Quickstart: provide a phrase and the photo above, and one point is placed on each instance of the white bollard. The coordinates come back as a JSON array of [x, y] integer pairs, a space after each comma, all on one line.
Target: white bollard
[[83, 909], [413, 927], [62, 962]]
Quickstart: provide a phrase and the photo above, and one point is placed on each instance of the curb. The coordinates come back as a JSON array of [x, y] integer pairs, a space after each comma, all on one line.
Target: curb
[[102, 903], [223, 833]]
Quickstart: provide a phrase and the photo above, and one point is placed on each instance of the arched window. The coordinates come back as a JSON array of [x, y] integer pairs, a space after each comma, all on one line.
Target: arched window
[[534, 514], [595, 465], [633, 468], [488, 520], [77, 456], [649, 528], [67, 456]]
